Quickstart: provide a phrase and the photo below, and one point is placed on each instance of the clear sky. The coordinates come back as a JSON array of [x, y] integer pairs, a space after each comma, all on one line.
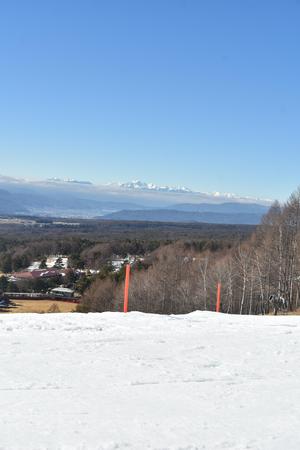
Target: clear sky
[[202, 93]]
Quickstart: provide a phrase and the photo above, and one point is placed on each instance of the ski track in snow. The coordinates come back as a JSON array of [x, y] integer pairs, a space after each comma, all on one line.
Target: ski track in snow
[[136, 381]]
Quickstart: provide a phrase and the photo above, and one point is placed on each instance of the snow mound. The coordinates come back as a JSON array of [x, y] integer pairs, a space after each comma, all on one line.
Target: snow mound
[[136, 381]]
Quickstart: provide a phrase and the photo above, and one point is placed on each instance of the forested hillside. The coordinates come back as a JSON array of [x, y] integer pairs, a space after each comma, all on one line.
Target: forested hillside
[[181, 277]]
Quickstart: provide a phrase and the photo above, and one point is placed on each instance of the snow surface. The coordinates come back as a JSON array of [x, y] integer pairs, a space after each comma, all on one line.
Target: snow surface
[[114, 381]]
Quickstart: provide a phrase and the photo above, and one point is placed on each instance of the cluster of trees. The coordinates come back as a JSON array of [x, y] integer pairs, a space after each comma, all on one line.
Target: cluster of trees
[[182, 277], [17, 254], [173, 279], [94, 241], [43, 284], [265, 265], [13, 261]]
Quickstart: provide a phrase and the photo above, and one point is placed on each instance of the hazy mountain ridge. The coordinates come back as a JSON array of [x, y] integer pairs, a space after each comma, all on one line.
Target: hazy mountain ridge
[[230, 207], [68, 180], [73, 198], [171, 215], [9, 204]]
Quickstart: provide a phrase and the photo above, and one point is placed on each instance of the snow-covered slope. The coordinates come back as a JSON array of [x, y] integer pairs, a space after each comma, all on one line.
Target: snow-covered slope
[[135, 381]]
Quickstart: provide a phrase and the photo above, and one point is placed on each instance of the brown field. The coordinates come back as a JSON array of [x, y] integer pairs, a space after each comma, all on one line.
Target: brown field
[[293, 313], [41, 306], [289, 313]]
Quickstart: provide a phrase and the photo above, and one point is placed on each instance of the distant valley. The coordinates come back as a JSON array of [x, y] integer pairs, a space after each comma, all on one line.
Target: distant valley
[[178, 216]]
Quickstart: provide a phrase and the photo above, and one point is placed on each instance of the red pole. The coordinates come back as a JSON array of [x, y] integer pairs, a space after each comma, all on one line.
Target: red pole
[[218, 305], [126, 290]]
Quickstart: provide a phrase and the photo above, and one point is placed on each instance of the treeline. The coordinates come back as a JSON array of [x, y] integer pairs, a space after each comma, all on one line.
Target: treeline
[[83, 253], [92, 243], [181, 278]]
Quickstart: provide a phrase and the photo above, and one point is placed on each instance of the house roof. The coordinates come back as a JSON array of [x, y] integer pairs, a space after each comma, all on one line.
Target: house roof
[[38, 273]]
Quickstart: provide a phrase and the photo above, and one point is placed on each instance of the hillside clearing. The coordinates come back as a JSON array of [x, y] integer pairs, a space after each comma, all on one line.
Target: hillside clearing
[[137, 381]]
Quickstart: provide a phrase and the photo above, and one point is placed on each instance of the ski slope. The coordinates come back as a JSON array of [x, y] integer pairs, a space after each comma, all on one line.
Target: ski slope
[[114, 381]]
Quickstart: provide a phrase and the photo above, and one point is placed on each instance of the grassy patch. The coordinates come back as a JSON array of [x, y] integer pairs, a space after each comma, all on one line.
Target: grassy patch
[[41, 306]]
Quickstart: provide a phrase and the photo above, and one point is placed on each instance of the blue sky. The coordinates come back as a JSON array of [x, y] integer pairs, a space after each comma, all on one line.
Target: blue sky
[[198, 93]]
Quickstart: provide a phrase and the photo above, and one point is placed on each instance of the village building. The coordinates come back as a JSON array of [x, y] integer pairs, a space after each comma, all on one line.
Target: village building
[[37, 273], [63, 292], [53, 260], [118, 262]]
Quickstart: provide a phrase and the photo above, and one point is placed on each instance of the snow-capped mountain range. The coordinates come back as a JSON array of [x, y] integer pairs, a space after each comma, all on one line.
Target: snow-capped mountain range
[[137, 185], [141, 186], [76, 198]]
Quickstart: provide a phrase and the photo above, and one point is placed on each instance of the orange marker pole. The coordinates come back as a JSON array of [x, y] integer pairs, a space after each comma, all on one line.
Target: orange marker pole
[[218, 305], [126, 290]]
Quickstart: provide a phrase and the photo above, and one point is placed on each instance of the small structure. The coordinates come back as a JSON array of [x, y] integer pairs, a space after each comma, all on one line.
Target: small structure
[[118, 262], [62, 292], [34, 266], [57, 260]]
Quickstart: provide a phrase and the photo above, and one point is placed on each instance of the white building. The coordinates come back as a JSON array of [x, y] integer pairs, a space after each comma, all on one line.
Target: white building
[[63, 292], [52, 260], [117, 262]]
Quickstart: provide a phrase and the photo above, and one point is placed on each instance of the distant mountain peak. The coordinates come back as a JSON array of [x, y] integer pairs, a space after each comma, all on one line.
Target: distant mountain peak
[[142, 186], [137, 185]]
